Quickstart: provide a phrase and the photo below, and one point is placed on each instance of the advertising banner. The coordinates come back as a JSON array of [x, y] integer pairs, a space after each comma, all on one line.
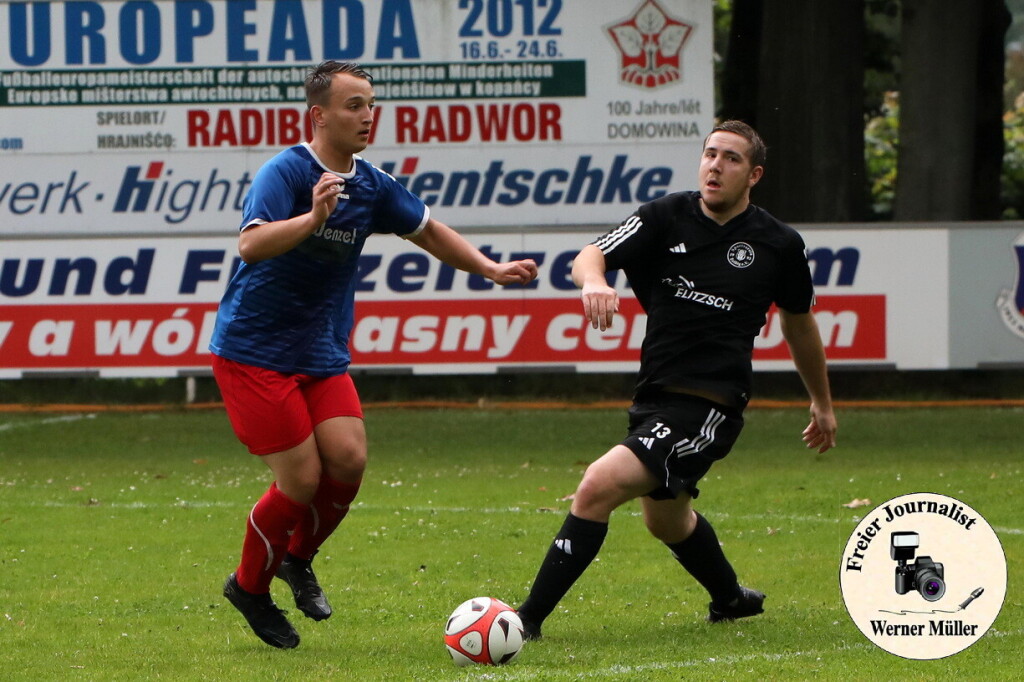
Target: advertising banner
[[987, 267], [151, 116], [145, 306]]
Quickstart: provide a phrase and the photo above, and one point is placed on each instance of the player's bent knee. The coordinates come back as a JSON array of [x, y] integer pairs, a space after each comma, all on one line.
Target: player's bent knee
[[670, 525], [299, 486], [595, 500], [344, 459], [346, 467], [666, 532], [341, 443]]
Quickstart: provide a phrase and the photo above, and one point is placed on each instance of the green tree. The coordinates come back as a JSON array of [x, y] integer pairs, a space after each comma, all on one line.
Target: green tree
[[880, 141], [794, 71], [1012, 181], [951, 141]]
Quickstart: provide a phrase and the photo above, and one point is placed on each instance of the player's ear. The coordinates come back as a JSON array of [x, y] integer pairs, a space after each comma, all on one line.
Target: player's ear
[[316, 115], [755, 175]]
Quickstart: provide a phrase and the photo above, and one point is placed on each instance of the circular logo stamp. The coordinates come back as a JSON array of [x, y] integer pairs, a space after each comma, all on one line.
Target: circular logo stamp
[[923, 576], [741, 255]]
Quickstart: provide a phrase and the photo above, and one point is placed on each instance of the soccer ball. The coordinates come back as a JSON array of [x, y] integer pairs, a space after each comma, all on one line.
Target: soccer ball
[[483, 630]]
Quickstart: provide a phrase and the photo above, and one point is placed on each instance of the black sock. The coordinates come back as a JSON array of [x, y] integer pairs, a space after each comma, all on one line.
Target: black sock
[[575, 546], [702, 556]]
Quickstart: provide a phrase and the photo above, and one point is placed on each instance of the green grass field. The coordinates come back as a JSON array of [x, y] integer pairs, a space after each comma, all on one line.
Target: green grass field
[[117, 531]]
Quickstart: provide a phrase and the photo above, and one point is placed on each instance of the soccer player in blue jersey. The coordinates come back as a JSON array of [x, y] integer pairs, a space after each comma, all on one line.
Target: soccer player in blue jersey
[[705, 266], [280, 343]]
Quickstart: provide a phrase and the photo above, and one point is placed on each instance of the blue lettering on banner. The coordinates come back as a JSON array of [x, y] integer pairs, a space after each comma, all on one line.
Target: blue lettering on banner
[[124, 275], [207, 270], [196, 270], [33, 197], [583, 184], [413, 272], [136, 48], [823, 259], [83, 21], [22, 33], [366, 266], [561, 271], [191, 20], [408, 272], [238, 29], [94, 31], [151, 191], [288, 34], [156, 188]]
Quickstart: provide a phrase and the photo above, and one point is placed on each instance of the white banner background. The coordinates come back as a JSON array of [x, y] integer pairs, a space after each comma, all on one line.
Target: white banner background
[[152, 116], [144, 306]]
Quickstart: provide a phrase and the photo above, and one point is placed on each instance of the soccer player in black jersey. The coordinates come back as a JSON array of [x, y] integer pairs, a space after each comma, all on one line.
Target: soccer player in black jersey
[[706, 266]]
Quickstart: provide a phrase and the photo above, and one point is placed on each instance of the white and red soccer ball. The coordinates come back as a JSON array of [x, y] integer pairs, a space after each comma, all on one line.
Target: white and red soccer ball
[[483, 630]]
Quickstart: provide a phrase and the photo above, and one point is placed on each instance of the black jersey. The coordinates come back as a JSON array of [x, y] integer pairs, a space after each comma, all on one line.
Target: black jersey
[[706, 289]]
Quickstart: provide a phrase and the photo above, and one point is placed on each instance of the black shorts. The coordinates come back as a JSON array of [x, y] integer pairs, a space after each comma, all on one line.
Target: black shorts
[[678, 437]]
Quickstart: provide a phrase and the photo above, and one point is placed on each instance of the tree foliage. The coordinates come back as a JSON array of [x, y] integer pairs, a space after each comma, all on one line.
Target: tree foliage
[[1012, 184], [770, 59], [881, 135]]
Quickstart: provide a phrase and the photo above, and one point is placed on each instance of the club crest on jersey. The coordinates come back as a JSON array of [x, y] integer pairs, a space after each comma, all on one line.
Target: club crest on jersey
[[741, 255], [1011, 303]]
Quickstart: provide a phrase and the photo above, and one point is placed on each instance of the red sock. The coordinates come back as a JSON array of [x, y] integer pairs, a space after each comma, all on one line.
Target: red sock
[[267, 533], [328, 508]]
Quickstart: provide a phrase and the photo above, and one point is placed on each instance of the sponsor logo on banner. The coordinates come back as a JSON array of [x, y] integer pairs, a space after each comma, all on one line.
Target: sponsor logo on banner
[[146, 307], [454, 333], [183, 195], [1011, 301], [650, 45], [852, 327], [163, 111]]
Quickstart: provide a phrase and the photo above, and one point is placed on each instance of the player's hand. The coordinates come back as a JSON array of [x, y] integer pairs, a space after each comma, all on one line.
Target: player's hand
[[820, 434], [514, 272], [600, 303], [325, 197]]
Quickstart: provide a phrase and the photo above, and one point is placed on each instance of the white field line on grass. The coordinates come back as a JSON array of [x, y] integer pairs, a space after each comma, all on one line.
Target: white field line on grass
[[200, 504], [711, 665], [425, 510], [637, 671], [8, 426]]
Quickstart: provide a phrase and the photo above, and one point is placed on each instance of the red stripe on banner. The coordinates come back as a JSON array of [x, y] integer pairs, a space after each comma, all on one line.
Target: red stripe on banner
[[399, 333], [106, 335], [852, 328]]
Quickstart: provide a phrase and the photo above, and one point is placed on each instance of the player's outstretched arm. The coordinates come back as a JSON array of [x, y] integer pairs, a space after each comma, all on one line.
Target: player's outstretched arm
[[801, 333], [450, 247], [600, 301]]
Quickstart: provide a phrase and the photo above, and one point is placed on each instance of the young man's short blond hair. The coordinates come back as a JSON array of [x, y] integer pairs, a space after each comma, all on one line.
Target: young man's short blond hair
[[318, 82]]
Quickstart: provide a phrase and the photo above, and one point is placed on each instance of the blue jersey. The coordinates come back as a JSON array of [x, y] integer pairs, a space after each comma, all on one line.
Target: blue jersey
[[293, 313]]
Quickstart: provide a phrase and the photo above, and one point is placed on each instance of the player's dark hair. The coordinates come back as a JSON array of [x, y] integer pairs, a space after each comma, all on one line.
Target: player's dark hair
[[318, 82], [758, 150]]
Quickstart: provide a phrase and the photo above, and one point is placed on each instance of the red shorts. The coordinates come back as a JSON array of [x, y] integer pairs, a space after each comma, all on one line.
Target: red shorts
[[272, 412]]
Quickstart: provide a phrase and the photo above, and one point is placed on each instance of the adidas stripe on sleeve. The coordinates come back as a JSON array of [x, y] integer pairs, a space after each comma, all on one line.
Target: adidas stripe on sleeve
[[620, 234]]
